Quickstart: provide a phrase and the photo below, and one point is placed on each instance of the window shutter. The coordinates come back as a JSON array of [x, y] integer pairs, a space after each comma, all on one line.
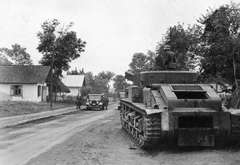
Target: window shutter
[[11, 90], [21, 87]]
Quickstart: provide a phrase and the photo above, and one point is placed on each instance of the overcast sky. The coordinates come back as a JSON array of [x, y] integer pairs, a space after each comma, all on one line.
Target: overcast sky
[[113, 29]]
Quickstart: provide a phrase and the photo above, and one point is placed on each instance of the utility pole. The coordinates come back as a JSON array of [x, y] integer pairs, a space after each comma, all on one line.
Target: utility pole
[[51, 86]]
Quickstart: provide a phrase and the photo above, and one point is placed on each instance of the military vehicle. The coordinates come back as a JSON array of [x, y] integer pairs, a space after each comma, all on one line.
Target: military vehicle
[[172, 105], [94, 101]]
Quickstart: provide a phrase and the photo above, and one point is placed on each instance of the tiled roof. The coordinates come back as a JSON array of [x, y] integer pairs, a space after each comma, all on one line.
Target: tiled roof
[[73, 80], [25, 74]]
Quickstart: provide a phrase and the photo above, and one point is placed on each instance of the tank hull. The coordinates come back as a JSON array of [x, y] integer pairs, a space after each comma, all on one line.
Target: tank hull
[[189, 126], [171, 105]]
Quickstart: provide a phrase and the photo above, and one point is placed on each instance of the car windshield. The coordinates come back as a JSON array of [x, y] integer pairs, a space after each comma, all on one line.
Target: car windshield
[[94, 97]]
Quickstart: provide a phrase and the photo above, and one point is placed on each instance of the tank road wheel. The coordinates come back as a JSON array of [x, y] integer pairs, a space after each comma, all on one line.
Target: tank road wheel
[[150, 132], [133, 133], [141, 141], [122, 122], [136, 135]]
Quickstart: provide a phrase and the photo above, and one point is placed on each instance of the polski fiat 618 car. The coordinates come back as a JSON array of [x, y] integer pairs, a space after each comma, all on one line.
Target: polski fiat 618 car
[[94, 101]]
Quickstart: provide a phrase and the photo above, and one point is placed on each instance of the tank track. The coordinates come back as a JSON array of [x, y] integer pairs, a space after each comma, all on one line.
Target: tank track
[[235, 127], [145, 130]]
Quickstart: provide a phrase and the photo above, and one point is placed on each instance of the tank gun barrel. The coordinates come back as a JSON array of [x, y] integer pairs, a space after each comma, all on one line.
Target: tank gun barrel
[[135, 78], [129, 76]]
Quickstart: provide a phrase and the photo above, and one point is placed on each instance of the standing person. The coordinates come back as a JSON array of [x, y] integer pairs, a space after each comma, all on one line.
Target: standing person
[[170, 62], [78, 102], [106, 102]]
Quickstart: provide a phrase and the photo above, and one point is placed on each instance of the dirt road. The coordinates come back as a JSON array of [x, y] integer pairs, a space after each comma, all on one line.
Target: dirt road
[[19, 144], [96, 138]]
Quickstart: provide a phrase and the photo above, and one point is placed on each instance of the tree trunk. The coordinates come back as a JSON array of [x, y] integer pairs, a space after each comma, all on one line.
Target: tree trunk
[[234, 74], [236, 82]]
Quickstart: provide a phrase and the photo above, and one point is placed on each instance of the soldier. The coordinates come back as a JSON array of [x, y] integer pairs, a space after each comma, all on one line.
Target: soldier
[[170, 62], [78, 102], [106, 102]]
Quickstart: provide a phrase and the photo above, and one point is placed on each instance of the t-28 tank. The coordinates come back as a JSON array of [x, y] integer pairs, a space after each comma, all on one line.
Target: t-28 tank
[[168, 105]]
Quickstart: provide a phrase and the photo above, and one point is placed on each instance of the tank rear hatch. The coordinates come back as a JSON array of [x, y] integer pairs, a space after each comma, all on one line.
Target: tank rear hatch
[[189, 95]]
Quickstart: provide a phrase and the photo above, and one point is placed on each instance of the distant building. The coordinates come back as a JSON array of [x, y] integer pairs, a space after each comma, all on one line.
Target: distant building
[[74, 83], [26, 83]]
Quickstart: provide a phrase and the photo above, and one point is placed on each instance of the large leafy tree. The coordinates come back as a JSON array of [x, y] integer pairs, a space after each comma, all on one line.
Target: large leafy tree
[[185, 43], [17, 54], [4, 60], [120, 83], [103, 78], [76, 72], [141, 62], [108, 75], [59, 46], [221, 58], [151, 56], [138, 64], [97, 84]]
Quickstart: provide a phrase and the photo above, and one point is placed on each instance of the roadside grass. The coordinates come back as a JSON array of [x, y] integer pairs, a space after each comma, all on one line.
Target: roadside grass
[[14, 108]]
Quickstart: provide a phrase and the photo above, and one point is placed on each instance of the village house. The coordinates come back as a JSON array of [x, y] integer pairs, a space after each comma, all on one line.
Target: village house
[[74, 83], [26, 83]]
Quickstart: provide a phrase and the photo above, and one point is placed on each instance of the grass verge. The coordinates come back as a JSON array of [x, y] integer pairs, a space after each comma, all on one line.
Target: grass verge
[[14, 108]]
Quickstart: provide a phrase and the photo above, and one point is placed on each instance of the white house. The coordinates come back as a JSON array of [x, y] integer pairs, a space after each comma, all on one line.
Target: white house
[[74, 83], [24, 83], [27, 83]]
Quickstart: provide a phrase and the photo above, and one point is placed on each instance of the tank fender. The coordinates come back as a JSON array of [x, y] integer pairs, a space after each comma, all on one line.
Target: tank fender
[[165, 124]]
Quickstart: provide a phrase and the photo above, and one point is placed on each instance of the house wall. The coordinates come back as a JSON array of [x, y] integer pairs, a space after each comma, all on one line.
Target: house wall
[[74, 91], [5, 92], [29, 93]]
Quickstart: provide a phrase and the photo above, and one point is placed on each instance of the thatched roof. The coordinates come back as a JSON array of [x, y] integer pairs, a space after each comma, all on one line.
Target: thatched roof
[[28, 74], [24, 74]]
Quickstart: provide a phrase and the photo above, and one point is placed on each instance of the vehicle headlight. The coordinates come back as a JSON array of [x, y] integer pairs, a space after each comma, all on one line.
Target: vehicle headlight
[[100, 103], [97, 102]]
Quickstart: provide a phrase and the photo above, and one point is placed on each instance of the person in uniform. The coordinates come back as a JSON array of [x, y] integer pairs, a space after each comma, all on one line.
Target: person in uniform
[[106, 102], [78, 102], [170, 62]]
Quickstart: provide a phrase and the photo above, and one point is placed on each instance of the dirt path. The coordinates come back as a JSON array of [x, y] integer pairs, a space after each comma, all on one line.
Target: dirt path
[[105, 143], [20, 144], [96, 138]]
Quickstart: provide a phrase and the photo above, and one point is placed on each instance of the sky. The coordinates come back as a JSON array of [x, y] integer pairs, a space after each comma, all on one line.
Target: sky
[[113, 29]]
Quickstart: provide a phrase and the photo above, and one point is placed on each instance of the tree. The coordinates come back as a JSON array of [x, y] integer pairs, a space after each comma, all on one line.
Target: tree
[[221, 34], [103, 79], [120, 83], [139, 63], [184, 42], [106, 75], [18, 55], [99, 83], [59, 46], [76, 72], [151, 56], [4, 60]]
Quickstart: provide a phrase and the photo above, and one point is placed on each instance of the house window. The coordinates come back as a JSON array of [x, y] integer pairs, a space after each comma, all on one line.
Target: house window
[[39, 90], [16, 90]]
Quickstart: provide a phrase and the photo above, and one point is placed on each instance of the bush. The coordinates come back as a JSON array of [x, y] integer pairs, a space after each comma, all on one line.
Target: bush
[[68, 100]]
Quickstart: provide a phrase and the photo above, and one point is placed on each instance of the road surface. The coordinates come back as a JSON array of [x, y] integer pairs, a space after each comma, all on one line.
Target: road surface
[[20, 144], [96, 138]]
